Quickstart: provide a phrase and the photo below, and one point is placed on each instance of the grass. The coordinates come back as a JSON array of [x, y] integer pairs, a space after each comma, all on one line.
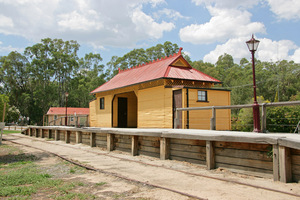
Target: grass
[[100, 183], [10, 131], [21, 178]]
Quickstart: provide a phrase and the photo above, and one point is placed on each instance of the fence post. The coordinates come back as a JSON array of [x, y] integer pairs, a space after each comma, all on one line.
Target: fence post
[[213, 119], [264, 118]]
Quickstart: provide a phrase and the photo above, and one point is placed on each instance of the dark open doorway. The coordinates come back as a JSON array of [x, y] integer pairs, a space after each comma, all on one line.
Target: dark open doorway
[[122, 112]]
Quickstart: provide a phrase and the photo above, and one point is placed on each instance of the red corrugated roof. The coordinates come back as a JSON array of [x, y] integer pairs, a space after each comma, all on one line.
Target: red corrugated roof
[[70, 111], [157, 69]]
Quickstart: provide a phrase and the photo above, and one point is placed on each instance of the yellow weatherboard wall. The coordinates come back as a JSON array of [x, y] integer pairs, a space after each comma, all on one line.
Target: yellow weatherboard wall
[[200, 119], [100, 117], [152, 107]]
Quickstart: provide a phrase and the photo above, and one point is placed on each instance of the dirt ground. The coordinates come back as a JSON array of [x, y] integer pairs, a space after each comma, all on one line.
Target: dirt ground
[[146, 169]]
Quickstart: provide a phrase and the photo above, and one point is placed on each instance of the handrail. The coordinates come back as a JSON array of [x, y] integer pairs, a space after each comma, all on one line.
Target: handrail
[[213, 108], [286, 103]]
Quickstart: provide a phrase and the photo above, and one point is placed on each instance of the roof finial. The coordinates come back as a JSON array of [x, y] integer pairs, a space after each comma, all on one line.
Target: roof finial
[[180, 49]]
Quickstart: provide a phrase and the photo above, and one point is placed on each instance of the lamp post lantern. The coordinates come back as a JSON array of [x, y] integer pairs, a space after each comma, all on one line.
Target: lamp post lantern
[[252, 46], [66, 121]]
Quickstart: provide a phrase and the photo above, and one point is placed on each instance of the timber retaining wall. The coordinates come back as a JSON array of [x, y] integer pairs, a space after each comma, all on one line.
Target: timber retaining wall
[[266, 155]]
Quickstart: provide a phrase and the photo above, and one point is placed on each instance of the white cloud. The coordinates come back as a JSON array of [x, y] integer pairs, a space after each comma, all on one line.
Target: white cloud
[[172, 14], [146, 25], [76, 21], [227, 3], [224, 24], [268, 50], [97, 22], [285, 9], [235, 47], [5, 23], [275, 50], [296, 56]]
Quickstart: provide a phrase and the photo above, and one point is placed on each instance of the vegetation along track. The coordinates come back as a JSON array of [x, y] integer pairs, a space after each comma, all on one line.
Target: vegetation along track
[[153, 165]]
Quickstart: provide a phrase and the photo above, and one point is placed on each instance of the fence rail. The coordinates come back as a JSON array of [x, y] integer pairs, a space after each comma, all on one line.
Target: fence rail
[[214, 108]]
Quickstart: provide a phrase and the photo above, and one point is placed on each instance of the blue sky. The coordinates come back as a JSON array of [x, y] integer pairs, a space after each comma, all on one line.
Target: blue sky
[[205, 29]]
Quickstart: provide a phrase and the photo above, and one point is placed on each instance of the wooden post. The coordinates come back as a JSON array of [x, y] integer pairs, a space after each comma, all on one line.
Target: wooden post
[[110, 142], [134, 145], [36, 132], [210, 155], [264, 118], [30, 131], [275, 162], [49, 133], [42, 133], [164, 148], [67, 136], [56, 135], [285, 164], [78, 137], [213, 119], [93, 139]]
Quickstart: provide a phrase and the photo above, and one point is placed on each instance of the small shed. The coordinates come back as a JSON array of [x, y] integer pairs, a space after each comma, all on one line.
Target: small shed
[[147, 95], [56, 116]]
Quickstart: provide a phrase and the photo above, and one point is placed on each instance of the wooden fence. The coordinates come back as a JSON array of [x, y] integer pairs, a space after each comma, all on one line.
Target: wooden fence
[[214, 108], [267, 155]]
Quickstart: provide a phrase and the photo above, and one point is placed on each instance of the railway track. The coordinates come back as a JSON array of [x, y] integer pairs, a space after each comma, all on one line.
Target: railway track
[[147, 164]]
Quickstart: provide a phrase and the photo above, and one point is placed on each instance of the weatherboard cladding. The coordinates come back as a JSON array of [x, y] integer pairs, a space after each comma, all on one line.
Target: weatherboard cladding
[[154, 70]]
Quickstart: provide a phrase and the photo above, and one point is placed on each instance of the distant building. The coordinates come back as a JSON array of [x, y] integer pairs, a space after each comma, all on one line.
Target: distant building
[[56, 116], [146, 96]]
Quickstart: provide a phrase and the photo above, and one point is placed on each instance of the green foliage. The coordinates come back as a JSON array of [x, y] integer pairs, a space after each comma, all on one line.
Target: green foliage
[[140, 56], [3, 99], [283, 119], [244, 120]]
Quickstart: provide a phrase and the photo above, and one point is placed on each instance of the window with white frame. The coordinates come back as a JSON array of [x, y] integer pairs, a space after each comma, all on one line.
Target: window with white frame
[[202, 95]]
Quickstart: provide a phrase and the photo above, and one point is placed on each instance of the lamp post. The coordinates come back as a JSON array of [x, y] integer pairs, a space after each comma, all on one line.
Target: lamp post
[[66, 122], [252, 46]]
